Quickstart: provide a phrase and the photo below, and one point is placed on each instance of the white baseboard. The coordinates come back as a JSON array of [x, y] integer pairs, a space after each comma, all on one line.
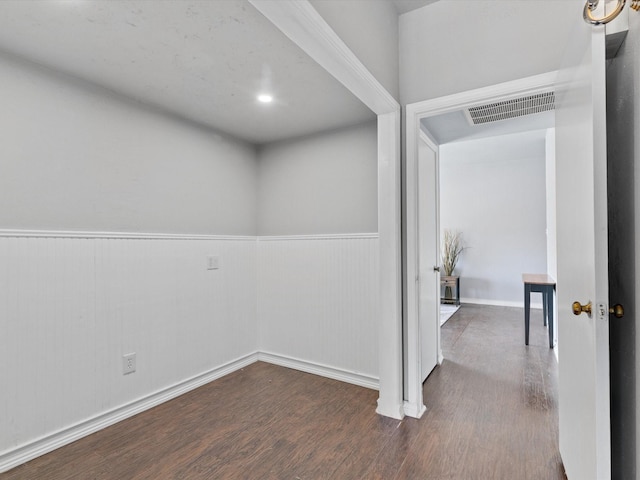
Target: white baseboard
[[413, 410], [499, 303], [322, 370], [391, 408], [17, 456]]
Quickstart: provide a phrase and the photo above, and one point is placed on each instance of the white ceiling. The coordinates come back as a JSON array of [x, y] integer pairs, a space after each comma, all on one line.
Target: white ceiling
[[496, 148], [454, 126], [203, 60]]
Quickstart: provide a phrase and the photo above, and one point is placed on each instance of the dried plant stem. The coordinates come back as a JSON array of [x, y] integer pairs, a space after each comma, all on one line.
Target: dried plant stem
[[451, 250]]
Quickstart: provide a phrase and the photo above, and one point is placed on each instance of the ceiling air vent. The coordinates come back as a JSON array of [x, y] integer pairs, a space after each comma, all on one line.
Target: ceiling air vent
[[517, 107]]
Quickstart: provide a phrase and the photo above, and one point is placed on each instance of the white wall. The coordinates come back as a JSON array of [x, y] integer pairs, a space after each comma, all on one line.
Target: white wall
[[322, 184], [370, 29], [493, 191], [452, 46], [76, 157]]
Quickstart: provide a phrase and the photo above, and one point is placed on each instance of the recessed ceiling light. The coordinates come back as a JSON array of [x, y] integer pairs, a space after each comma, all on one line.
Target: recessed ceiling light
[[265, 98]]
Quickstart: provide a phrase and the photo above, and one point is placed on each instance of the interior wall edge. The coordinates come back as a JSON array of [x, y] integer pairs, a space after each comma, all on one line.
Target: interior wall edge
[[23, 453]]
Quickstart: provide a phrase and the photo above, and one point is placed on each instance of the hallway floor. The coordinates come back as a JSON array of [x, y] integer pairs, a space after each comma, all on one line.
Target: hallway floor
[[492, 404], [491, 414]]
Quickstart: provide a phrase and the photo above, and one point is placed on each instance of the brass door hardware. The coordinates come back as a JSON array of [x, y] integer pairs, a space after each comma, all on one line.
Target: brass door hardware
[[591, 5], [617, 310], [579, 308]]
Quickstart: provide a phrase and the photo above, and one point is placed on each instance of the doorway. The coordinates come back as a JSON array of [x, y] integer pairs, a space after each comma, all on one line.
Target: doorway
[[430, 119]]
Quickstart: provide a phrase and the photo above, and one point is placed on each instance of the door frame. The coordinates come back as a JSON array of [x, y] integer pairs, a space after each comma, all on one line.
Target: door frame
[[412, 296], [433, 145], [415, 112]]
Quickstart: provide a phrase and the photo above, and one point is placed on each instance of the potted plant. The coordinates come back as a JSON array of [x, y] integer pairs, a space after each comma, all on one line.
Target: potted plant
[[451, 249]]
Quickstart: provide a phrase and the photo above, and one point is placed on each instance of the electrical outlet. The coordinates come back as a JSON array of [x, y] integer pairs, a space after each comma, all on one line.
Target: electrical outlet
[[128, 363]]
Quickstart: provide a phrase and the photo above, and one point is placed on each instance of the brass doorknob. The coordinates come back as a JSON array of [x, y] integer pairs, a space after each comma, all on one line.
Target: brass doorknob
[[578, 308], [617, 310]]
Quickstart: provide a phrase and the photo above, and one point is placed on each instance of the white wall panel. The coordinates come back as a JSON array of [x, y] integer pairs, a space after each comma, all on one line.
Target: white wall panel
[[71, 307], [46, 306], [318, 301]]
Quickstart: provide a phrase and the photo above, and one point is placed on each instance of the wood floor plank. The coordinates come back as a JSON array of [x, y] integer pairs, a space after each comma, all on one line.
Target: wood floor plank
[[491, 414]]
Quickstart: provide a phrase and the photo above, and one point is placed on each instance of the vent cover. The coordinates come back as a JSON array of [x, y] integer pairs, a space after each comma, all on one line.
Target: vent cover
[[517, 107]]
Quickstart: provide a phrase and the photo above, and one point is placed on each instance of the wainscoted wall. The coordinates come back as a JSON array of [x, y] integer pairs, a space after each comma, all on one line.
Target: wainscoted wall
[[70, 307], [72, 304], [318, 304]]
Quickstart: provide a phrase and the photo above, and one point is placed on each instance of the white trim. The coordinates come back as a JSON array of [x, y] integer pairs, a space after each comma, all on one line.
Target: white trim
[[414, 410], [413, 401], [414, 405], [118, 235], [429, 140], [354, 378], [390, 359], [22, 454], [299, 21], [175, 236], [414, 113], [498, 303], [337, 236]]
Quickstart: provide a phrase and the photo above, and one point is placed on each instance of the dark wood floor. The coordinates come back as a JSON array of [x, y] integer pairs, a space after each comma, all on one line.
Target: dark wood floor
[[491, 414]]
